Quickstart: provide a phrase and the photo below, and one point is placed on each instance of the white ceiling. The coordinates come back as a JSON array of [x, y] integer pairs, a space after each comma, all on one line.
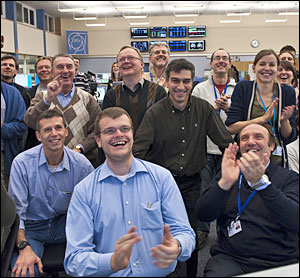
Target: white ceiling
[[160, 8]]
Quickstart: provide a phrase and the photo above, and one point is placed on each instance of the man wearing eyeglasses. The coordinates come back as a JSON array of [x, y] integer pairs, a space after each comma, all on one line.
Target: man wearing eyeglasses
[[127, 218], [217, 90], [159, 57]]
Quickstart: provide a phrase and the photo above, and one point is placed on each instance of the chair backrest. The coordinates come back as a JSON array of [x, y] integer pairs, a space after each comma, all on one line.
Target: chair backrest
[[53, 258], [9, 247]]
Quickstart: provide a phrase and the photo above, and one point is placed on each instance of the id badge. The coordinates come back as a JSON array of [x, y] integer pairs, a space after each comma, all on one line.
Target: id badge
[[234, 228], [277, 151]]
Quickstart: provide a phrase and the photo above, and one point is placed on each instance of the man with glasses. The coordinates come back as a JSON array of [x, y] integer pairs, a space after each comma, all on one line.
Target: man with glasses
[[217, 90], [159, 57], [127, 218]]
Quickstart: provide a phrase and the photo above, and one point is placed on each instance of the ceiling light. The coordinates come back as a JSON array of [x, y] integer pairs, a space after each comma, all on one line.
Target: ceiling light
[[70, 10], [238, 14], [139, 23], [188, 6], [134, 16], [185, 15], [288, 13], [85, 18], [275, 20], [130, 8], [230, 21], [184, 22], [95, 24]]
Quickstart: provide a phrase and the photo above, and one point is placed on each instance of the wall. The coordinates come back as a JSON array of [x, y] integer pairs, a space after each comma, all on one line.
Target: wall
[[7, 30]]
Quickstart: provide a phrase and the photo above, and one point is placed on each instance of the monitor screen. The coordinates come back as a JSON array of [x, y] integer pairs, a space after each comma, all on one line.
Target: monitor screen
[[152, 42], [102, 77], [196, 45], [142, 46], [137, 33], [177, 45], [158, 32], [23, 80], [177, 32], [197, 31]]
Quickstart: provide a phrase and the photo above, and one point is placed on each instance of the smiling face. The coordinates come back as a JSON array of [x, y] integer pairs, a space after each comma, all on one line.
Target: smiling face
[[266, 69], [64, 66], [255, 138], [117, 145], [220, 63], [8, 70], [159, 56], [43, 70], [284, 76]]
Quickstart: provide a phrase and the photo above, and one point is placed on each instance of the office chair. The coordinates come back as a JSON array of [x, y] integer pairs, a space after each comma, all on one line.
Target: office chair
[[53, 259], [9, 247]]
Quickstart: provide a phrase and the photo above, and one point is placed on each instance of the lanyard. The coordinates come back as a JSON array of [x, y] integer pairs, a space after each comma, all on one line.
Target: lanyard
[[151, 77], [240, 206], [216, 96], [274, 113]]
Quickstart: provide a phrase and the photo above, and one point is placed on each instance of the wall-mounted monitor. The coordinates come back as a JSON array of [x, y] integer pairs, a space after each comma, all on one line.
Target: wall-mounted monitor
[[23, 80], [177, 45], [152, 42], [177, 32], [197, 31], [142, 46], [158, 32], [140, 32], [196, 45], [102, 77]]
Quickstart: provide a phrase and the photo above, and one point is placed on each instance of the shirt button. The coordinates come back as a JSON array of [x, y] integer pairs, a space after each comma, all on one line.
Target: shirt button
[[129, 222], [181, 168], [124, 183], [126, 203], [183, 141], [182, 128], [182, 154], [134, 264]]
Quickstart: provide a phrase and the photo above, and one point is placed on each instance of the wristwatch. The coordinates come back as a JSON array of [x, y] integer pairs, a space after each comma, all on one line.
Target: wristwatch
[[78, 147], [179, 247], [22, 244], [264, 180]]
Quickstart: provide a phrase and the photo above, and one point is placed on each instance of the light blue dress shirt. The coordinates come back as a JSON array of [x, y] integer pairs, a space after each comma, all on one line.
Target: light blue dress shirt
[[64, 100], [102, 210], [39, 192]]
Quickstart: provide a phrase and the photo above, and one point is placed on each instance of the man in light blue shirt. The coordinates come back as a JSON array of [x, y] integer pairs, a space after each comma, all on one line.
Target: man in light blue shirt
[[127, 218], [41, 184]]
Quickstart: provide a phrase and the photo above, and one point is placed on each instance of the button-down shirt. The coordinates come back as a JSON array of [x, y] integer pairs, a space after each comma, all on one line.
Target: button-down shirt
[[63, 99], [102, 210], [39, 192]]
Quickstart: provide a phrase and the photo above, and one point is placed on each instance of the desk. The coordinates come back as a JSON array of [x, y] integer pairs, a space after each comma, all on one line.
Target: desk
[[291, 270]]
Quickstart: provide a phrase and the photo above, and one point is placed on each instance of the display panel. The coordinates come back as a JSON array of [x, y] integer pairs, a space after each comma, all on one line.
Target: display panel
[[102, 77], [197, 31], [142, 46], [152, 42], [158, 32], [196, 45], [177, 45], [137, 33], [177, 32]]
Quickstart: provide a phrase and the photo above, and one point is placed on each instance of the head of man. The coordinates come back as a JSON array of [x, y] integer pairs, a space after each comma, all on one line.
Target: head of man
[[220, 62], [159, 54], [63, 65], [51, 131], [130, 62], [77, 64], [9, 68], [43, 69], [114, 134], [258, 139], [288, 56], [180, 74]]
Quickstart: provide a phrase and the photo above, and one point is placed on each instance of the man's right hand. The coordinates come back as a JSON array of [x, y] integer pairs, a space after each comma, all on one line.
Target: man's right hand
[[53, 89], [123, 249], [26, 261]]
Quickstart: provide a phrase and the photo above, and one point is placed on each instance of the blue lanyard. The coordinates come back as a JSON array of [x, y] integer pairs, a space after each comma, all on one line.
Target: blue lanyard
[[151, 77], [216, 96], [240, 206], [274, 113]]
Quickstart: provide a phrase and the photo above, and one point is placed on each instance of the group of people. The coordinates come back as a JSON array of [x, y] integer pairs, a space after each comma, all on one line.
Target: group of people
[[171, 158]]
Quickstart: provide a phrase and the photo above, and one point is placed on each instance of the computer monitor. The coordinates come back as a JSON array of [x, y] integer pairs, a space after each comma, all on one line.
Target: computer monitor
[[102, 77], [177, 32], [137, 33], [23, 80], [197, 31], [142, 46], [196, 45], [177, 45], [158, 32]]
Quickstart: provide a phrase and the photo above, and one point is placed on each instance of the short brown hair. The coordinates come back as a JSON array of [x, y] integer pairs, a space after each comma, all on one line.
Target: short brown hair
[[6, 57], [178, 65], [48, 114], [62, 55], [212, 56], [113, 113], [265, 52], [40, 59]]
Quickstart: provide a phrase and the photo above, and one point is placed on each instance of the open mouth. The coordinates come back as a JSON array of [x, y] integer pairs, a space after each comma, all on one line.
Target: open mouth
[[254, 151], [118, 143]]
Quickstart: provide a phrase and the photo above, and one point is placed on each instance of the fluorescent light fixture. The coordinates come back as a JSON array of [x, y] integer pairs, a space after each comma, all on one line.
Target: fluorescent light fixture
[[69, 10], [188, 6], [130, 8], [139, 23], [95, 24], [185, 15], [184, 22], [230, 21], [134, 16], [85, 18], [275, 20], [288, 13], [238, 14]]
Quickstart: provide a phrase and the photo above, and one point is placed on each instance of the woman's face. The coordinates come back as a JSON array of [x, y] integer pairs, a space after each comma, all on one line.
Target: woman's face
[[115, 68], [284, 76], [266, 69], [287, 57]]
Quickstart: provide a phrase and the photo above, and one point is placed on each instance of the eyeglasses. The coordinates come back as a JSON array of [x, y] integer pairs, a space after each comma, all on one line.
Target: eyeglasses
[[218, 58], [157, 52], [129, 59], [112, 130]]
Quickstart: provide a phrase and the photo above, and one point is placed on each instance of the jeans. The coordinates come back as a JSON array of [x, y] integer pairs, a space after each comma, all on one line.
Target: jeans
[[41, 233]]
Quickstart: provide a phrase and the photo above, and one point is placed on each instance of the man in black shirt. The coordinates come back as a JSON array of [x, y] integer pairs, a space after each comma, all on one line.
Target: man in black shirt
[[173, 134]]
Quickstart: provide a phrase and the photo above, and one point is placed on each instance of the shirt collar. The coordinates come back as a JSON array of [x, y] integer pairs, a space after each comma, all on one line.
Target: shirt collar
[[71, 93], [106, 171], [173, 109], [141, 82]]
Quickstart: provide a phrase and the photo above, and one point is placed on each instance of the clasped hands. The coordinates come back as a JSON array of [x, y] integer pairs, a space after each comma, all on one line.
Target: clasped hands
[[164, 254]]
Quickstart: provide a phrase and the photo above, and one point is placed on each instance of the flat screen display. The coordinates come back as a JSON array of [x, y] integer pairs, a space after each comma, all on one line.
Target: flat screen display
[[177, 45], [152, 42], [140, 32], [158, 32], [197, 31], [196, 45], [142, 46], [177, 32]]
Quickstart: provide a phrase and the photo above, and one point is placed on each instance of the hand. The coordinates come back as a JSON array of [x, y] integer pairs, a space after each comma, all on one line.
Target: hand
[[287, 112], [252, 166], [123, 249], [222, 102], [166, 252], [26, 260], [269, 114], [230, 168], [54, 88]]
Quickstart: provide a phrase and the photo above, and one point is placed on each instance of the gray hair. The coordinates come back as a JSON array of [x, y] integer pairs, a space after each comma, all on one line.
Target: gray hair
[[159, 44]]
